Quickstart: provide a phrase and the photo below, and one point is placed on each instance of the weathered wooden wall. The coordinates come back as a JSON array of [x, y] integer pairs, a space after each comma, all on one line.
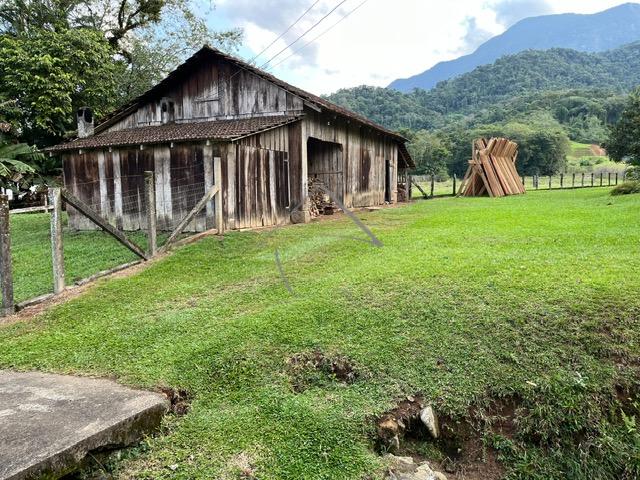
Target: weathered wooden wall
[[218, 90], [364, 152], [255, 183]]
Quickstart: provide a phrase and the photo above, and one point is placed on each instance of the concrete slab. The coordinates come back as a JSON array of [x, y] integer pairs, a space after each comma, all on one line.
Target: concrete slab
[[48, 422]]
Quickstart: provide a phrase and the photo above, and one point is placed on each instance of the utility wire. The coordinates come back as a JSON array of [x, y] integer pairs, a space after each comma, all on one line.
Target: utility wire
[[318, 36], [285, 32], [301, 36]]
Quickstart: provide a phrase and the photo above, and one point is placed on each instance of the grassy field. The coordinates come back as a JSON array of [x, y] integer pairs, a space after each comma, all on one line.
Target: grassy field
[[85, 253], [528, 301]]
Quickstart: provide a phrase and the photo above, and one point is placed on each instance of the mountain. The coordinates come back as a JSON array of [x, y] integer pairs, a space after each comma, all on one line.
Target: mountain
[[585, 33], [509, 80]]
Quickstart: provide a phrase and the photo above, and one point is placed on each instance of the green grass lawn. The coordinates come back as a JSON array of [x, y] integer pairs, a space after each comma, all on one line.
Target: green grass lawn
[[531, 298], [85, 253]]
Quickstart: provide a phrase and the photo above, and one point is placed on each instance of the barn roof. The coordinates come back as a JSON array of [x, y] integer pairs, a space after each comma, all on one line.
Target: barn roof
[[206, 52], [175, 132]]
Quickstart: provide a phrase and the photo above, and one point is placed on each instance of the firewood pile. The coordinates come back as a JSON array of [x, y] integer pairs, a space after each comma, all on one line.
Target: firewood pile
[[492, 169], [320, 202]]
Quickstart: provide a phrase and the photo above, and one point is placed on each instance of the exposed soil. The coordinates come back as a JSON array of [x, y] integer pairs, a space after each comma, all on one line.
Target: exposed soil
[[459, 451], [315, 368], [179, 399]]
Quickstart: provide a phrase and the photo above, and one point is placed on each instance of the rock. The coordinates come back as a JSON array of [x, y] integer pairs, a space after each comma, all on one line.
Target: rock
[[439, 476], [400, 464], [428, 417], [404, 468]]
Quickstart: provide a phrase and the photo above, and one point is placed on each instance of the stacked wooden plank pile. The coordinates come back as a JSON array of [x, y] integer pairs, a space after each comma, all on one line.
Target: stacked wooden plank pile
[[320, 202], [492, 169]]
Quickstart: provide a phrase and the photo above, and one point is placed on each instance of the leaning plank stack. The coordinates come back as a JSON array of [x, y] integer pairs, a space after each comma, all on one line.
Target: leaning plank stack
[[492, 169]]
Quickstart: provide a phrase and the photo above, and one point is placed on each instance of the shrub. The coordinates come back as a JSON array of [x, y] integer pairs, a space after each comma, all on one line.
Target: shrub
[[626, 188]]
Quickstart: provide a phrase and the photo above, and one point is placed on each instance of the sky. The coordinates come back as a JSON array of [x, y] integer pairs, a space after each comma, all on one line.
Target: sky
[[379, 41]]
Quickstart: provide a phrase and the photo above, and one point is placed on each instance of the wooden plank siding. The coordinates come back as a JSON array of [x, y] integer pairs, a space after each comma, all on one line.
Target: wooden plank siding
[[217, 90], [262, 175]]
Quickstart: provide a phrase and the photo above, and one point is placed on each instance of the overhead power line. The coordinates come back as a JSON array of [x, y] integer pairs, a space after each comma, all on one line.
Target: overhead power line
[[320, 35], [285, 32], [302, 36]]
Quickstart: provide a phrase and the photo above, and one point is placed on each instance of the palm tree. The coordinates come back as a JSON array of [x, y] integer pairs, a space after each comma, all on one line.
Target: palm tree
[[13, 161]]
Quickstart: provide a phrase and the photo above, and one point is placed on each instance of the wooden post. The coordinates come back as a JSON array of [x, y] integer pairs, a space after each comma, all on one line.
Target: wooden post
[[592, 184], [454, 184], [6, 270], [573, 180], [536, 181], [600, 178], [432, 184], [217, 173], [152, 226], [57, 251], [616, 178], [549, 182], [561, 180], [583, 179], [410, 184], [609, 179]]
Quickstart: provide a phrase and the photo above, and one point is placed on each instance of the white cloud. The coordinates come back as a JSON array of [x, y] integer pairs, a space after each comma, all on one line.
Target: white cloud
[[382, 40]]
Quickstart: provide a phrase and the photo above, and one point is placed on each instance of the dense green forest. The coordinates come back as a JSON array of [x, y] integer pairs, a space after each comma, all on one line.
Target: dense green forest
[[542, 99]]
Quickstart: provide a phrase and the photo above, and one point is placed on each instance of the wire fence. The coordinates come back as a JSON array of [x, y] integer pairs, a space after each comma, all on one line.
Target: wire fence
[[428, 186], [92, 230]]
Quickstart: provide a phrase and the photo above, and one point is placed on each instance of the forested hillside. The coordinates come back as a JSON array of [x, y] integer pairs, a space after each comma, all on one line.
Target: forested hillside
[[542, 99], [596, 77], [597, 32]]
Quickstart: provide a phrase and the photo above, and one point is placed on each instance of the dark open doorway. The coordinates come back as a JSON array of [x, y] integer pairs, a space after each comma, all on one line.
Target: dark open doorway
[[325, 164], [387, 181]]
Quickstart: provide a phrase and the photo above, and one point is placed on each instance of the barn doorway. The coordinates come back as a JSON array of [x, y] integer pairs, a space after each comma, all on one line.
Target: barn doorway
[[325, 166], [387, 181]]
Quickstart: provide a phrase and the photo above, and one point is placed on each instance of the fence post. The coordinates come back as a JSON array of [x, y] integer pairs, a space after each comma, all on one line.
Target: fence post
[[592, 176], [57, 251], [536, 180], [6, 270], [573, 180], [454, 184], [217, 173], [600, 178], [433, 182], [609, 179], [561, 180], [152, 227], [616, 178], [549, 182], [582, 179]]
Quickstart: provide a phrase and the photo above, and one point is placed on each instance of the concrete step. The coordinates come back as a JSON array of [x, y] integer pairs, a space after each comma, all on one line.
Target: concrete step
[[48, 423]]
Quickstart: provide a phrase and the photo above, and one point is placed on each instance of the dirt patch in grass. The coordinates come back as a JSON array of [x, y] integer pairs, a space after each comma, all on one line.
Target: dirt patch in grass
[[459, 450], [179, 400], [314, 368]]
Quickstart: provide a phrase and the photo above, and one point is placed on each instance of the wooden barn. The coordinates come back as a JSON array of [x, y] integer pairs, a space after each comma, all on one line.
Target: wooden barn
[[270, 138]]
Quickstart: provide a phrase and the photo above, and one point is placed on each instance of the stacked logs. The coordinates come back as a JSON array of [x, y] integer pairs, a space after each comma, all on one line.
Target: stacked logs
[[320, 202]]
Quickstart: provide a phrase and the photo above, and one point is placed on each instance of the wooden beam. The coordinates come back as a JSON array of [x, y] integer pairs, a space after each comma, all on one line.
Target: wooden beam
[[424, 194], [150, 197], [101, 222], [57, 252], [185, 221]]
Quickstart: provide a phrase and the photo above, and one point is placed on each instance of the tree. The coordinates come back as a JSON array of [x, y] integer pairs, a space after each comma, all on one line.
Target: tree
[[430, 152], [52, 73], [14, 162], [624, 137]]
